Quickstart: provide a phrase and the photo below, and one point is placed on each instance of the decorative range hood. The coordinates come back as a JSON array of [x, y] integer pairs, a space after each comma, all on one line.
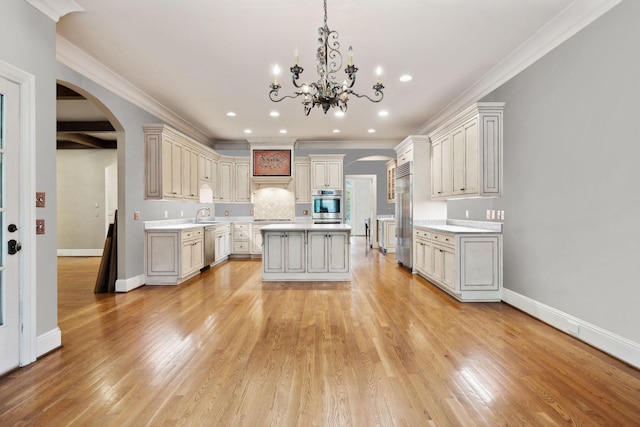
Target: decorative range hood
[[271, 163]]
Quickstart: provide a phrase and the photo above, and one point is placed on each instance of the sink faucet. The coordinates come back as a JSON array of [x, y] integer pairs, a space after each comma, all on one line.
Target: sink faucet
[[202, 210]]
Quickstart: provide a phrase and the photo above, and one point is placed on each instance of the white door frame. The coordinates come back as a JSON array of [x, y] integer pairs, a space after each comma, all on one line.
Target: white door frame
[[374, 195], [27, 206]]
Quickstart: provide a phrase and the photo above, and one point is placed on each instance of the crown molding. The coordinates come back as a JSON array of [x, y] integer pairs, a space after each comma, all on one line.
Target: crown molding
[[78, 60], [575, 17], [56, 9]]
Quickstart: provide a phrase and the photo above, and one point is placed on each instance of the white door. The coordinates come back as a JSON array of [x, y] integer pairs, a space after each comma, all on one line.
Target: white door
[[359, 202], [10, 228]]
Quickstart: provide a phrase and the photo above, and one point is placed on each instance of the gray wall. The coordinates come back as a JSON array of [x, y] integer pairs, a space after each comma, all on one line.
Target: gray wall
[[571, 153], [27, 41]]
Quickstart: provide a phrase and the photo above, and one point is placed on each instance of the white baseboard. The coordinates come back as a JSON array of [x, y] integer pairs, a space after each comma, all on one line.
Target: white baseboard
[[48, 341], [126, 285], [80, 252], [615, 345]]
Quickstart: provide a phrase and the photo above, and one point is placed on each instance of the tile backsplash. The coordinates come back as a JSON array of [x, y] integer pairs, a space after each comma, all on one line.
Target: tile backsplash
[[274, 203]]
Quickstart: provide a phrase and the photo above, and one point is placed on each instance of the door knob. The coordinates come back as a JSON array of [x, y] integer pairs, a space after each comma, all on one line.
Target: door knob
[[14, 247], [12, 228]]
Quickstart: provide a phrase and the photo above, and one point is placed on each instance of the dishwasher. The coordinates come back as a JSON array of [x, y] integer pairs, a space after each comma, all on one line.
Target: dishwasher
[[209, 247]]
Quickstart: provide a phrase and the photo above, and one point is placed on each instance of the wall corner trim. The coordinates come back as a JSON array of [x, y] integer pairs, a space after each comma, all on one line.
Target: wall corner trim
[[126, 285], [610, 343], [48, 341]]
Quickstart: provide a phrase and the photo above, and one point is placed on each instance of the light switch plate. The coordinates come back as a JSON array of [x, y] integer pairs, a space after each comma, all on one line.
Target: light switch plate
[[39, 226], [40, 199]]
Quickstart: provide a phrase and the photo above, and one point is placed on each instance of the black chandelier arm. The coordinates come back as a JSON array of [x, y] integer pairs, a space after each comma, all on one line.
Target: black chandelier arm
[[295, 75], [377, 93], [273, 93]]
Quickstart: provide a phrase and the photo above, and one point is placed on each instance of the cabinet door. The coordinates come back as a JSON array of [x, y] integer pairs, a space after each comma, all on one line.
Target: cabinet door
[[256, 241], [447, 166], [224, 183], [186, 258], [197, 254], [273, 256], [436, 169], [438, 264], [338, 255], [176, 170], [449, 269], [205, 167], [429, 262], [458, 160], [389, 234], [162, 254], [419, 255], [294, 252], [303, 182], [214, 179], [319, 174], [189, 173], [479, 269], [317, 244], [471, 157], [334, 174], [242, 193]]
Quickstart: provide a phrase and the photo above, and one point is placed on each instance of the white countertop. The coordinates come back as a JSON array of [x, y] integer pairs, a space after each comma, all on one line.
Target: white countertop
[[455, 229], [305, 227]]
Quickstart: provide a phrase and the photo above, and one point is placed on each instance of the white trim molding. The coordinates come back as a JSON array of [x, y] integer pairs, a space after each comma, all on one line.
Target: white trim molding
[[610, 343], [78, 60], [49, 341], [126, 285], [567, 23], [56, 9]]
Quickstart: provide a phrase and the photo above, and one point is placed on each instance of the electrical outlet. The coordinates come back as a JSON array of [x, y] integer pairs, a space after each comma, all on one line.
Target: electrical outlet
[[181, 214], [488, 214], [466, 213], [226, 213], [136, 215], [493, 214], [166, 214], [305, 212]]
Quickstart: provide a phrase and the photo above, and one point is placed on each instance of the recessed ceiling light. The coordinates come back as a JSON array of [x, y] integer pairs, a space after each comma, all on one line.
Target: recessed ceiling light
[[231, 114], [371, 131], [405, 78], [336, 131], [339, 114], [247, 131], [283, 131], [383, 113], [274, 114]]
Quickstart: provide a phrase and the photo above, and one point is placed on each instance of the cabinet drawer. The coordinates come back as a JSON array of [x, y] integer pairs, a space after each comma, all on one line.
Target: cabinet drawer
[[241, 226], [240, 234], [191, 233], [240, 247], [443, 239], [421, 234], [223, 228]]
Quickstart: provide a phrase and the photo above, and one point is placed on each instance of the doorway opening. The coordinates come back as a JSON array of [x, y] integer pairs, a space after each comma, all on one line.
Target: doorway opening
[[360, 202]]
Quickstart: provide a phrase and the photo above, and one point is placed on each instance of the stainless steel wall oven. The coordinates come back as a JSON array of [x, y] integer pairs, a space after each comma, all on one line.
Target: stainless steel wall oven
[[327, 206]]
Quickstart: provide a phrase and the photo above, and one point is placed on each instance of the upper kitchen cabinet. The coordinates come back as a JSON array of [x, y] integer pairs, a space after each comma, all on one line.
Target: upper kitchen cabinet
[[175, 164], [326, 171], [391, 181], [466, 153], [303, 179], [233, 179]]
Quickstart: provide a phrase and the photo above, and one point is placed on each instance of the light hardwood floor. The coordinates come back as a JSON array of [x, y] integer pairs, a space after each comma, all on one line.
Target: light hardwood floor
[[225, 349]]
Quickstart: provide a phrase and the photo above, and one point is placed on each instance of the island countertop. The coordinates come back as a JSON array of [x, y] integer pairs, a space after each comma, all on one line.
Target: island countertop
[[306, 227]]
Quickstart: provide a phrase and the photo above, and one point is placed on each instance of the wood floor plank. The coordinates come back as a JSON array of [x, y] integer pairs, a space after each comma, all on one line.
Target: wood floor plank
[[386, 349]]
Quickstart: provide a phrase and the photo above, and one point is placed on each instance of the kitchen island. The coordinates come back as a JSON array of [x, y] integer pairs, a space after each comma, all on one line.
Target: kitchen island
[[306, 252]]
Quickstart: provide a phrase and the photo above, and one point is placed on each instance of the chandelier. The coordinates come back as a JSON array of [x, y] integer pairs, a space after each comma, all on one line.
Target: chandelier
[[326, 92]]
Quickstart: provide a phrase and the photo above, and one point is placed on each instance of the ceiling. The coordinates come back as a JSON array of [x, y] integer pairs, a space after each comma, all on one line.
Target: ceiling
[[200, 59]]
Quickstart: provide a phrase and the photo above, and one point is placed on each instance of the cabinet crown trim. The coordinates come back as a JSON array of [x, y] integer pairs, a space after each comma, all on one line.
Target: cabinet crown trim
[[466, 114]]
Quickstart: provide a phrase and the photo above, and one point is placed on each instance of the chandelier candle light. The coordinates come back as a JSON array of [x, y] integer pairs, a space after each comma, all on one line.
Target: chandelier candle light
[[326, 92]]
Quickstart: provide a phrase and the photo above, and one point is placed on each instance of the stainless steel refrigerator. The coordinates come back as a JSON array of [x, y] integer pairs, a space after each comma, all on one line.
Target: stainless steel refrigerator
[[404, 209]]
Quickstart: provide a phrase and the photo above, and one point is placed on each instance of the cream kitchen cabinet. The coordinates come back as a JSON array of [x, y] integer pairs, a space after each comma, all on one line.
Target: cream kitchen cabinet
[[172, 163], [405, 155], [256, 239], [387, 234], [233, 180], [286, 252], [328, 252], [466, 265], [391, 181], [302, 179], [326, 171], [222, 242], [190, 185], [240, 238], [466, 153], [241, 169], [173, 256]]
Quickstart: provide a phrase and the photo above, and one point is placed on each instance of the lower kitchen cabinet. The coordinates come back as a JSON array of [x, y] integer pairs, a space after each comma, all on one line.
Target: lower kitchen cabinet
[[222, 242], [173, 256], [328, 252], [466, 265], [286, 252], [241, 244]]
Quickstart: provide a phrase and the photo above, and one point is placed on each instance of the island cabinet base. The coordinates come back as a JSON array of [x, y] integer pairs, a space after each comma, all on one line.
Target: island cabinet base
[[306, 252]]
